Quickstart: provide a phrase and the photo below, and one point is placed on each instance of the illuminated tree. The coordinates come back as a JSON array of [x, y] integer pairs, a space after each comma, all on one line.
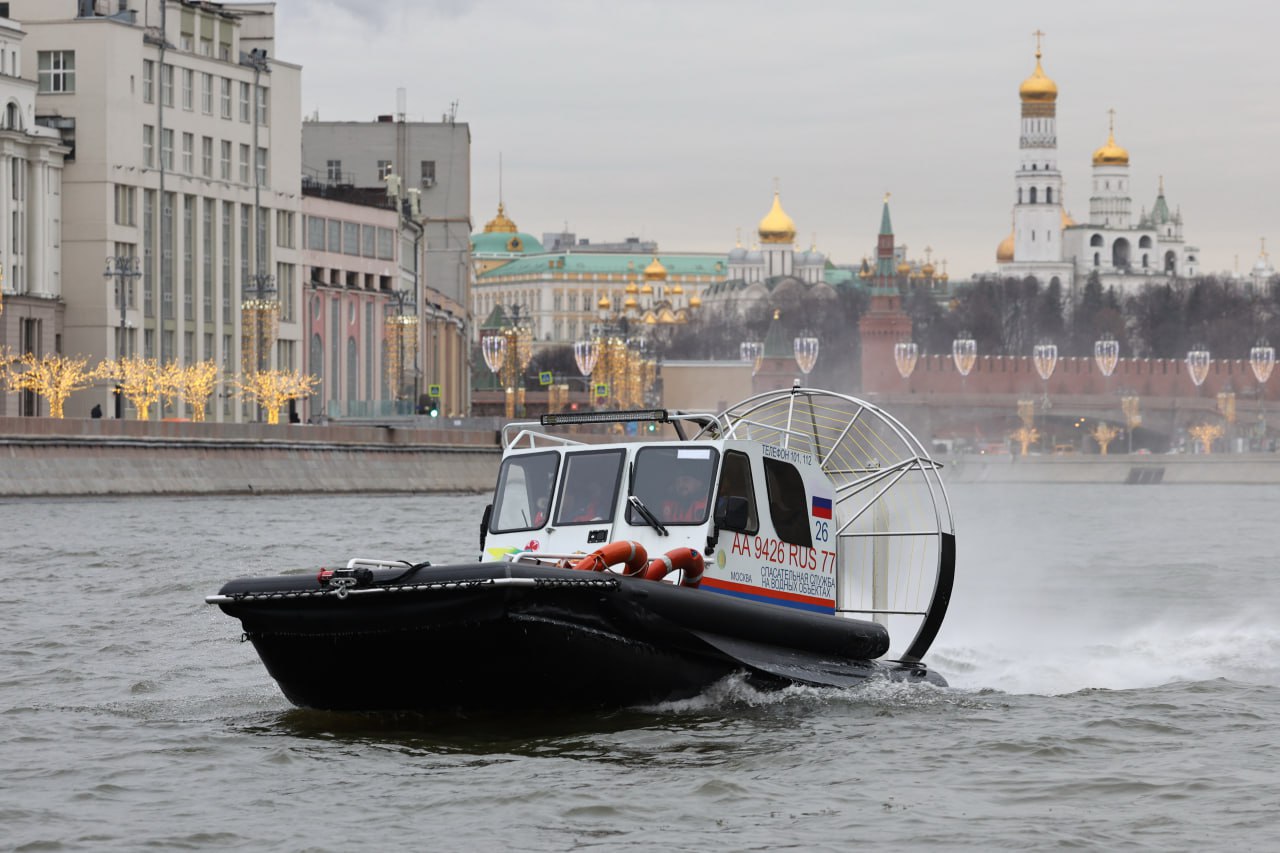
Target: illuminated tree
[[272, 389], [53, 377], [1104, 434], [142, 381], [193, 385], [1026, 436], [1206, 434]]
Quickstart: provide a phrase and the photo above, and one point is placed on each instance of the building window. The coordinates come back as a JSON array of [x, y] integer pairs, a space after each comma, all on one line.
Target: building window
[[206, 94], [148, 81], [244, 102], [285, 280], [166, 85], [56, 71], [384, 169], [428, 168], [315, 233], [188, 153], [206, 156], [262, 167], [188, 89], [166, 149], [262, 105], [148, 146], [334, 170], [244, 164], [226, 98], [226, 159], [284, 229], [126, 204]]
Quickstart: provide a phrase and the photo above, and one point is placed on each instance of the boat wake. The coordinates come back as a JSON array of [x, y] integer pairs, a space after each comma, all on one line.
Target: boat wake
[[1245, 648]]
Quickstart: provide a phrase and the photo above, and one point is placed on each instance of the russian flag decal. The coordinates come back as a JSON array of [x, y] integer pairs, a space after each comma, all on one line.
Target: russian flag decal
[[821, 507]]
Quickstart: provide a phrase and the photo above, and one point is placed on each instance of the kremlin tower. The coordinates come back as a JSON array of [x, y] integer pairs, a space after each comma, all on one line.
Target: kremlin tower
[[884, 325]]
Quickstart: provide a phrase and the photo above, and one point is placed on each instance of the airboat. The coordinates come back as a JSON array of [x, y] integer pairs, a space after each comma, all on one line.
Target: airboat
[[798, 537]]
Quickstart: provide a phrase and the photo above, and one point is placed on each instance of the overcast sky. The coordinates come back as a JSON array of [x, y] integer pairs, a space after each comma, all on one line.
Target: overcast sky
[[670, 120]]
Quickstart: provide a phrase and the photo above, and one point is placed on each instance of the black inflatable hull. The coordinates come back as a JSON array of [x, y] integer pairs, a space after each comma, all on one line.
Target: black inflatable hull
[[500, 636]]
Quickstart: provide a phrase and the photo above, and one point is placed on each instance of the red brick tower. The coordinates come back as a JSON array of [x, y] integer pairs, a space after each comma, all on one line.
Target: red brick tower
[[885, 324]]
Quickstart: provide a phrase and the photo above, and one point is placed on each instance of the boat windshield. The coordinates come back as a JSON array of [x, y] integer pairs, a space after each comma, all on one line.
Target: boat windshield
[[589, 492], [674, 483], [523, 498]]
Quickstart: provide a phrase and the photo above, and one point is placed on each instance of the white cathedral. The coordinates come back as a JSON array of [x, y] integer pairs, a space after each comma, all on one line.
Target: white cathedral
[[1048, 244]]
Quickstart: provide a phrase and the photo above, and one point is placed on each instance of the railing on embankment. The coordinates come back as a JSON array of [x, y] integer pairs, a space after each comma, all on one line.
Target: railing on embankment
[[73, 456]]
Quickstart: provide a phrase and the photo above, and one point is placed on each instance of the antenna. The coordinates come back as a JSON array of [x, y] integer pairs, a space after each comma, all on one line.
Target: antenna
[[400, 100], [499, 177]]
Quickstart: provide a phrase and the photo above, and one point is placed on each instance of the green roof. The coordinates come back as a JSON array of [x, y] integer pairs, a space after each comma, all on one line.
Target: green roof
[[604, 263], [776, 344], [501, 243], [837, 276]]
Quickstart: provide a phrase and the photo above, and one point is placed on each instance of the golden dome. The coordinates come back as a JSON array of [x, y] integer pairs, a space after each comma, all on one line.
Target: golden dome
[[604, 304], [676, 289], [1111, 154], [648, 288], [695, 301], [655, 271], [927, 270], [632, 287], [904, 268], [500, 223], [1004, 252], [777, 227], [1067, 221], [631, 303], [1038, 87]]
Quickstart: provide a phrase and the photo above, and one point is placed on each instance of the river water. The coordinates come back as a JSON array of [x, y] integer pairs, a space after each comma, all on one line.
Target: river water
[[1114, 656]]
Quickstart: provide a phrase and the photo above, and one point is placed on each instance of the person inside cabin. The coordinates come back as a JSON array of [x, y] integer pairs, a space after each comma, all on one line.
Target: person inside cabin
[[540, 512], [687, 502], [587, 503]]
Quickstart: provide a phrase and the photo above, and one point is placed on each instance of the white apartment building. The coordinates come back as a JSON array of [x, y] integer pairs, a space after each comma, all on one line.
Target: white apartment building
[[30, 218], [184, 136]]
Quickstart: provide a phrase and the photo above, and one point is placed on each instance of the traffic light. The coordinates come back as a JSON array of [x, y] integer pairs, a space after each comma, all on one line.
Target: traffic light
[[433, 407]]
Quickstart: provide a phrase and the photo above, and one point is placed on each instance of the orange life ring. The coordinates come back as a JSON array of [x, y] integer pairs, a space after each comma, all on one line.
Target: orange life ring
[[631, 554], [688, 559]]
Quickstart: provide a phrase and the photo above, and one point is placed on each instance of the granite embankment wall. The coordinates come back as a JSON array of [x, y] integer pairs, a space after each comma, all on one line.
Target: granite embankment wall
[[1225, 469], [45, 457]]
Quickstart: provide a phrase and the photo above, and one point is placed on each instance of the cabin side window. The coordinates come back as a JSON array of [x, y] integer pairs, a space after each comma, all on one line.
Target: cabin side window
[[589, 490], [523, 497], [787, 499], [674, 483], [736, 482]]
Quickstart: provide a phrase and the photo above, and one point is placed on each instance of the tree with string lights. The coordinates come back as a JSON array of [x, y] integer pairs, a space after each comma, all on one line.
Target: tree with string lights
[[193, 384], [272, 389], [142, 381], [51, 377]]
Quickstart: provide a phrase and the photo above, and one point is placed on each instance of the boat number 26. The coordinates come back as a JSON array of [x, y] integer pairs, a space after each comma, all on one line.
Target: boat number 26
[[820, 531]]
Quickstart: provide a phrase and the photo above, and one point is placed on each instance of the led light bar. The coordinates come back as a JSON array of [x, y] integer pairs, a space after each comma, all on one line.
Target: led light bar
[[623, 417]]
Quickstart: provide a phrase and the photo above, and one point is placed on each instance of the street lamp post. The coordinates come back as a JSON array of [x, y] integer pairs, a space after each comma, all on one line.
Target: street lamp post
[[122, 269], [400, 342]]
